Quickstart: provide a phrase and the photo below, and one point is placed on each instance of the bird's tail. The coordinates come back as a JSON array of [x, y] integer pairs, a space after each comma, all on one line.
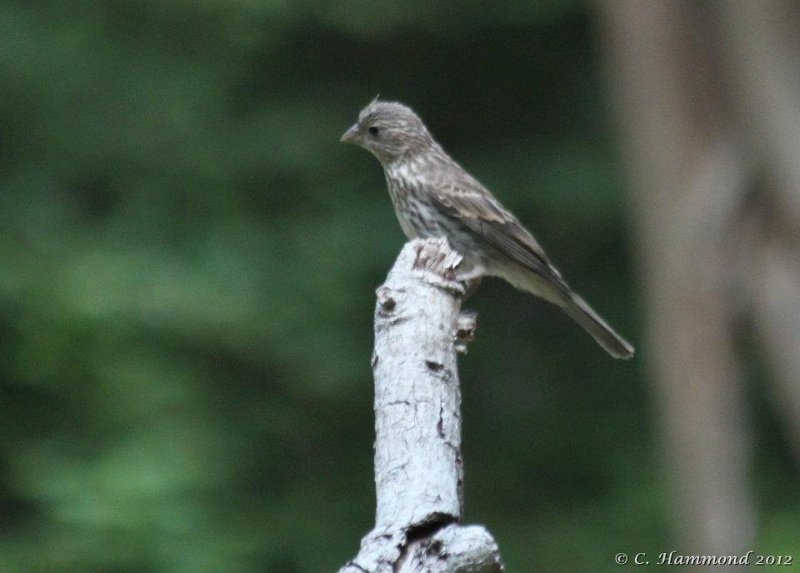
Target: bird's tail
[[591, 322]]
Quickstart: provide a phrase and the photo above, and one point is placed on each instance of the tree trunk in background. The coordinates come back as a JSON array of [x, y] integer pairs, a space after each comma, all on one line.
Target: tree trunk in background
[[688, 177], [762, 50]]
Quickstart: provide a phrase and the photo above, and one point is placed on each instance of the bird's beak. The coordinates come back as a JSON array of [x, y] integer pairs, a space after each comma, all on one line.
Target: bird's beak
[[352, 135]]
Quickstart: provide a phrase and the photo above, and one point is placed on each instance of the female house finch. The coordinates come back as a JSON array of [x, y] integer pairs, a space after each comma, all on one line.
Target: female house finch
[[434, 197]]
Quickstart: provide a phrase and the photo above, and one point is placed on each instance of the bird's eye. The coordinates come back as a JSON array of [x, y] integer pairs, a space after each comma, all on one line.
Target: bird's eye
[[373, 131]]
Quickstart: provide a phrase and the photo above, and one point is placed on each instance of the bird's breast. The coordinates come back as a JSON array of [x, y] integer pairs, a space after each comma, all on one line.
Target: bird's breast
[[413, 203]]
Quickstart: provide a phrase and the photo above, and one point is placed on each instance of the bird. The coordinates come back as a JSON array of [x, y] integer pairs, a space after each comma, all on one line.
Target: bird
[[434, 197]]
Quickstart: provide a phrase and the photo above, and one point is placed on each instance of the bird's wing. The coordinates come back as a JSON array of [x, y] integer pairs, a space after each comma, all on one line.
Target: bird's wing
[[483, 215]]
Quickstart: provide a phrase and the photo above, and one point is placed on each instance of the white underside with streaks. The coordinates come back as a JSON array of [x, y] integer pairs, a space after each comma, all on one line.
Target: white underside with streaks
[[409, 172]]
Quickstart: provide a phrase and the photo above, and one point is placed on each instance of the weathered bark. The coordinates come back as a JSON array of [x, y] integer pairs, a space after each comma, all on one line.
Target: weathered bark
[[418, 464]]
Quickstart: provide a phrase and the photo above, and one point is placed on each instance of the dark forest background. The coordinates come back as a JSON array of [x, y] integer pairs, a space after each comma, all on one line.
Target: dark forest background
[[188, 260]]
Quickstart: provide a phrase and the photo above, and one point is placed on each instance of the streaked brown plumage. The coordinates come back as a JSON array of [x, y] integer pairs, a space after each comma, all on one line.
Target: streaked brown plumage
[[434, 197]]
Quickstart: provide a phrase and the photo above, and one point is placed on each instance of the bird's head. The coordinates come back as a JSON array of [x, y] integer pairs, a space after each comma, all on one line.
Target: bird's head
[[389, 131]]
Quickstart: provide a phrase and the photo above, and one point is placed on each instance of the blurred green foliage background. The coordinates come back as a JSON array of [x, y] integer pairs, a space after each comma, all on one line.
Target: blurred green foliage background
[[188, 260]]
